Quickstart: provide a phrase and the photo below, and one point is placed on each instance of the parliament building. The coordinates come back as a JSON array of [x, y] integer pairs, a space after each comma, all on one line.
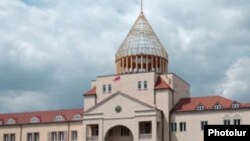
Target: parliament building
[[142, 101]]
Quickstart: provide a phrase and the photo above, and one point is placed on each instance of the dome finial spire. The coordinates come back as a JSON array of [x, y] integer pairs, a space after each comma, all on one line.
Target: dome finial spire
[[141, 6]]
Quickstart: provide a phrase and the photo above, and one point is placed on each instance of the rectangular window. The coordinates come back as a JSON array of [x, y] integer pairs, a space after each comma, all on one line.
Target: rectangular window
[[53, 136], [6, 137], [61, 136], [36, 137], [104, 88], [12, 137], [74, 135], [173, 127], [124, 131], [182, 126], [29, 137], [145, 127], [236, 121], [226, 122], [139, 85], [95, 130], [109, 88], [203, 123], [145, 85]]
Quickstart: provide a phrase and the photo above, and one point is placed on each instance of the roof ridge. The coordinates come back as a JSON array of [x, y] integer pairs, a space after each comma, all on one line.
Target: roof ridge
[[30, 112]]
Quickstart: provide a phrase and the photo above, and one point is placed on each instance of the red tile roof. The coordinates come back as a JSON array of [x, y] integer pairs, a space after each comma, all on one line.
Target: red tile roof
[[161, 84], [43, 116], [92, 91], [190, 104], [247, 105]]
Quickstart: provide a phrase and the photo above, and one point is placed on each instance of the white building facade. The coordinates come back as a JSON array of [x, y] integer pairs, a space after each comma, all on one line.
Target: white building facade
[[142, 101]]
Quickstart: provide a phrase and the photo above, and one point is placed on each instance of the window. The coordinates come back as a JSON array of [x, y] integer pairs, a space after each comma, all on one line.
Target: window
[[9, 137], [53, 136], [200, 107], [217, 106], [235, 105], [6, 137], [59, 118], [173, 127], [1, 122], [104, 88], [12, 137], [182, 126], [148, 128], [74, 136], [77, 117], [203, 123], [236, 121], [29, 137], [145, 85], [61, 136], [226, 122], [36, 137], [95, 130], [124, 131], [145, 127], [109, 88], [139, 85], [11, 121], [34, 120]]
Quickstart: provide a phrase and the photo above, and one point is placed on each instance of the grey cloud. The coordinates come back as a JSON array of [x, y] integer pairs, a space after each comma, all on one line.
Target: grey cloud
[[54, 48]]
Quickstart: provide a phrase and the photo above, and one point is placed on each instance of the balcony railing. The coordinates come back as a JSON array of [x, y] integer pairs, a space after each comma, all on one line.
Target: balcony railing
[[145, 136], [92, 138]]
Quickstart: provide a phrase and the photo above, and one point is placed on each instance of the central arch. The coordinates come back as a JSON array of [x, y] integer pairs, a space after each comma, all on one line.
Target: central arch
[[119, 133]]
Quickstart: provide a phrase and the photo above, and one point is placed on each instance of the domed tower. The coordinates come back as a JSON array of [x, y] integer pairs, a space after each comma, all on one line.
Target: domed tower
[[141, 51]]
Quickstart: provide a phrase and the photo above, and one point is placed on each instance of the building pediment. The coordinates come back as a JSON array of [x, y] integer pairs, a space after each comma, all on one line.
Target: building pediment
[[120, 105]]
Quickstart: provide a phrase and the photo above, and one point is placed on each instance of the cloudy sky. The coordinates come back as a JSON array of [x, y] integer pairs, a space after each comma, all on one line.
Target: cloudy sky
[[51, 49]]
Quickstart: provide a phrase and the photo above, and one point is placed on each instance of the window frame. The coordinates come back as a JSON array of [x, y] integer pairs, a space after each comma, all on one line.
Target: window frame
[[74, 135], [183, 127], [139, 85], [200, 107], [34, 120], [203, 123], [227, 122], [237, 121], [124, 131], [11, 121], [104, 88], [109, 88], [218, 106], [173, 127], [59, 118], [145, 85], [235, 105]]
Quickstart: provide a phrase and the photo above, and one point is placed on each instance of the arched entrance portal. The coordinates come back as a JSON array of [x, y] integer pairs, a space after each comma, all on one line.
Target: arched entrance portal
[[119, 133]]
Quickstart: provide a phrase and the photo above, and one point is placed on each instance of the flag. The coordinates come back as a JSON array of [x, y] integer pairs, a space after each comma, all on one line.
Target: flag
[[117, 78]]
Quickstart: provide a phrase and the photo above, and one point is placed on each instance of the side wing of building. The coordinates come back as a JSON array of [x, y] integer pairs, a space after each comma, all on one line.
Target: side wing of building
[[191, 114], [63, 125]]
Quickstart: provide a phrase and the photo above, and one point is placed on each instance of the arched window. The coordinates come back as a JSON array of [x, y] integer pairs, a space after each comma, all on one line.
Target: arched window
[[11, 121], [34, 120], [200, 107], [145, 84], [235, 105], [59, 118], [139, 85], [109, 88], [217, 106], [77, 117]]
